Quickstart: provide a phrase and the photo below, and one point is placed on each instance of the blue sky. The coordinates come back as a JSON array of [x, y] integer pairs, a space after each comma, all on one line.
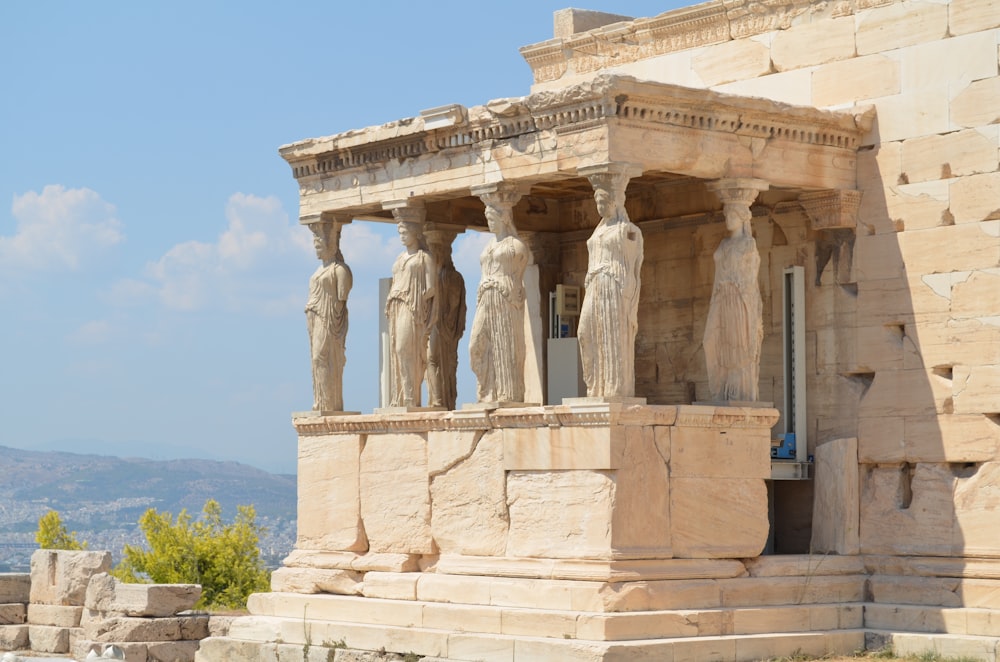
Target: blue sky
[[152, 271]]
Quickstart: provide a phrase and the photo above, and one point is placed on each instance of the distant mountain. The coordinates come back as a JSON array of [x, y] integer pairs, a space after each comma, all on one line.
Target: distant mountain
[[102, 497]]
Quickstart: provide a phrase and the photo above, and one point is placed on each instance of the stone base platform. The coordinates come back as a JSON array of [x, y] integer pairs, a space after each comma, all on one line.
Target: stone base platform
[[767, 607]]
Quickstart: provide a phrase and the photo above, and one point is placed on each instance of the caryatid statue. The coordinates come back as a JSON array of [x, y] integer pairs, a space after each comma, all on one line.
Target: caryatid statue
[[409, 310], [496, 345], [442, 352], [609, 314], [326, 317], [734, 330]]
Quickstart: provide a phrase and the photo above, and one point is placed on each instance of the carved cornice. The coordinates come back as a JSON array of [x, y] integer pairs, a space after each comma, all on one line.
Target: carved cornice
[[589, 415], [598, 102]]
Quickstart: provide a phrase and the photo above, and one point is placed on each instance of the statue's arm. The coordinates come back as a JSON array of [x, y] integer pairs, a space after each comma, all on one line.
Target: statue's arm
[[430, 289], [345, 281]]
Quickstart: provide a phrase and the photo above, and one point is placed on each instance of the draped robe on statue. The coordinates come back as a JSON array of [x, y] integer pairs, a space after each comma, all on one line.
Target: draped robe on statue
[[609, 317], [326, 319], [735, 328], [497, 346], [408, 311]]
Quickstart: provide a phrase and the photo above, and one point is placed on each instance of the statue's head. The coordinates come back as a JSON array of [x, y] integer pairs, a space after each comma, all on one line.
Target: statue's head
[[412, 235], [500, 219], [326, 240], [609, 193], [738, 216]]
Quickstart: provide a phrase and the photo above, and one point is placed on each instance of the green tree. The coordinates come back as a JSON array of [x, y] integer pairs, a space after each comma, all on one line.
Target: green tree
[[52, 533], [223, 558]]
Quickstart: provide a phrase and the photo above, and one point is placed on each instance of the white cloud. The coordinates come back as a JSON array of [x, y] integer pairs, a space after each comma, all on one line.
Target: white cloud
[[59, 228], [465, 253], [249, 267], [91, 333], [370, 246]]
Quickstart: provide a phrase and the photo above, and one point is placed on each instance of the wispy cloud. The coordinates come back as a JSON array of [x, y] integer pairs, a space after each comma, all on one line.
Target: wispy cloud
[[248, 268], [370, 246], [59, 228], [91, 333], [465, 252]]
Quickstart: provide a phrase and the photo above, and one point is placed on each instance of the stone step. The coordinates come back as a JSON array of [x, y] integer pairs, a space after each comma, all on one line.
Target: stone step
[[763, 591], [963, 646], [979, 593], [573, 624], [938, 620], [303, 642]]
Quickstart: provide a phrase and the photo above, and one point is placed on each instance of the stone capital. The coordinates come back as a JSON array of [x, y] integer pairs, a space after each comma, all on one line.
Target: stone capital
[[621, 168], [612, 176], [737, 190], [407, 210], [832, 209], [500, 194], [313, 221]]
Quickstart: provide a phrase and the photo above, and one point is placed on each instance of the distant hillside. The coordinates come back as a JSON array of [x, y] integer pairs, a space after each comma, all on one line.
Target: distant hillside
[[102, 497]]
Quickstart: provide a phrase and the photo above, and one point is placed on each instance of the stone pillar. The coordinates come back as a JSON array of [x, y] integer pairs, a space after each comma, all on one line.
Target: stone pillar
[[735, 327], [326, 315], [609, 314], [497, 341], [540, 278], [410, 308], [449, 319]]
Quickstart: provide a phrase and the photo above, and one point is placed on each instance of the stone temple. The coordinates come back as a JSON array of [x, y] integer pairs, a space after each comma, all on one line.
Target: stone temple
[[737, 345]]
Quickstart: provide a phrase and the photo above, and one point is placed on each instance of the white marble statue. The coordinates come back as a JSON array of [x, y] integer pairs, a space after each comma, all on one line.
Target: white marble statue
[[326, 318], [496, 344], [409, 309], [735, 327], [442, 351], [609, 315]]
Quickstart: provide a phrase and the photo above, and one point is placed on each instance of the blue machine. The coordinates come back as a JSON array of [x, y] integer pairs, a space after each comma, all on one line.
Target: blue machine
[[786, 451]]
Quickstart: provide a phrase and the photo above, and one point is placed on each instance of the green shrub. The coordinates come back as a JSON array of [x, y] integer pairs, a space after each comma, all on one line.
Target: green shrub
[[223, 558]]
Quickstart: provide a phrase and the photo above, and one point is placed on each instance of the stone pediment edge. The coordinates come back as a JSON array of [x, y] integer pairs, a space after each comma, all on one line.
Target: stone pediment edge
[[601, 415], [602, 99]]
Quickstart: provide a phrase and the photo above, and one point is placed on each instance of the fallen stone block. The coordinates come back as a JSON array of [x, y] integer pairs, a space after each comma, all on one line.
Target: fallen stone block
[[49, 639], [60, 577], [14, 587], [57, 615], [218, 626], [13, 637], [125, 628], [316, 580], [13, 614], [107, 594]]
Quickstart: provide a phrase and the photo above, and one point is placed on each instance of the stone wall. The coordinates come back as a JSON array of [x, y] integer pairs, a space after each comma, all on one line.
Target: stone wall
[[630, 481], [905, 343]]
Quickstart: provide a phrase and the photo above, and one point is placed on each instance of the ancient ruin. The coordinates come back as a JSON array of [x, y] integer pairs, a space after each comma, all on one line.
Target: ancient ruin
[[70, 605], [783, 217]]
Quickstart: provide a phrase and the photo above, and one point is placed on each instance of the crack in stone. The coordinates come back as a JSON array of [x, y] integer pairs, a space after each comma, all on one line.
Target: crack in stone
[[475, 444]]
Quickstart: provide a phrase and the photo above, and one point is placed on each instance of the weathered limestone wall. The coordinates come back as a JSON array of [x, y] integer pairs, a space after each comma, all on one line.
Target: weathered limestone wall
[[906, 355], [631, 482]]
